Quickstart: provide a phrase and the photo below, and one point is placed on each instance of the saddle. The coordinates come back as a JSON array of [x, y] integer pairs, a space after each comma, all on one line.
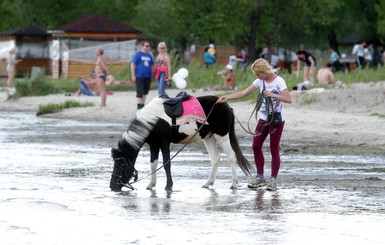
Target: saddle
[[173, 106]]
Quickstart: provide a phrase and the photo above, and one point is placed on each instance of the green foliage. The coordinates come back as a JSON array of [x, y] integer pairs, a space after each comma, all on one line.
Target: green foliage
[[256, 24], [380, 9], [377, 114], [54, 108], [361, 75], [53, 13], [207, 78], [35, 87]]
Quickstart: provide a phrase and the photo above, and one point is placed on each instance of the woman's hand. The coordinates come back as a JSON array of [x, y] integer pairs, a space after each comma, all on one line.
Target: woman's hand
[[269, 93], [221, 99]]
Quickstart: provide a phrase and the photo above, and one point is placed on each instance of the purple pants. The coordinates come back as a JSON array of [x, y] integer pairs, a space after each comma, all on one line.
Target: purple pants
[[275, 137]]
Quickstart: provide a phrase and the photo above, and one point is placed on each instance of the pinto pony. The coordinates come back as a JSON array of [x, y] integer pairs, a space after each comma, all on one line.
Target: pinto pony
[[153, 126]]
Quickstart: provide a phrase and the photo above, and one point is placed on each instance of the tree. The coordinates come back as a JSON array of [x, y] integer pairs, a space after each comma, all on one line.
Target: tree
[[380, 9], [52, 13]]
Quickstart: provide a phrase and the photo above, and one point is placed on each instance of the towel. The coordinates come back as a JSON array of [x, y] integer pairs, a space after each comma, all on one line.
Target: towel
[[192, 112]]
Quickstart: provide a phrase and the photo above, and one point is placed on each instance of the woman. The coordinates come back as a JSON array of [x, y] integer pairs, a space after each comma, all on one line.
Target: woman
[[11, 63], [335, 59], [101, 75], [228, 78], [162, 69], [272, 86], [310, 64], [208, 57]]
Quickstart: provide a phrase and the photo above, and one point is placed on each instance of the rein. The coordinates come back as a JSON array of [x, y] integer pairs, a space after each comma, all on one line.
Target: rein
[[129, 185], [257, 107]]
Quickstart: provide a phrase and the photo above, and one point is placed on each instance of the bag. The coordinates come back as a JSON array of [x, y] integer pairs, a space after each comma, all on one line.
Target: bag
[[167, 82], [275, 118]]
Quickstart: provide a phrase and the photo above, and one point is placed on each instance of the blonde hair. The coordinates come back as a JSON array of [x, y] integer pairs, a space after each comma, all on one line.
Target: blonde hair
[[262, 66], [162, 44]]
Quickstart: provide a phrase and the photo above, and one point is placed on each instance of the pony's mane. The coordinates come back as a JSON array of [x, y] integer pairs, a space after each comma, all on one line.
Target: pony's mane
[[154, 108], [144, 122]]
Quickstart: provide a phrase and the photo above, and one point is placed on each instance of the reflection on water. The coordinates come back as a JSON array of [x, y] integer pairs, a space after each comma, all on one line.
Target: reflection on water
[[55, 191]]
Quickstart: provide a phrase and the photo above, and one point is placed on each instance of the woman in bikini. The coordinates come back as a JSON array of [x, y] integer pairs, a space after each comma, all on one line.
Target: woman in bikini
[[11, 63]]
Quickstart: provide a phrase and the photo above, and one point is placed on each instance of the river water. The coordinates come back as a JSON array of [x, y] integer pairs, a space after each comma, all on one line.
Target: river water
[[54, 178]]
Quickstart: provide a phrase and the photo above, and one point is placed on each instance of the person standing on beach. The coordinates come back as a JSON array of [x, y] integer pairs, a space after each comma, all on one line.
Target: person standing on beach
[[208, 57], [310, 64], [162, 71], [141, 72], [273, 86], [11, 64], [335, 59], [101, 75]]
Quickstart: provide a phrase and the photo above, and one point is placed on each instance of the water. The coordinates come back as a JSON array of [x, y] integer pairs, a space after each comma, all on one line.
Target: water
[[54, 178]]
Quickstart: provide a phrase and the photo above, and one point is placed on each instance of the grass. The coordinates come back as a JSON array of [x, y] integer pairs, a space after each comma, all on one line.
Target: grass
[[54, 108], [378, 114]]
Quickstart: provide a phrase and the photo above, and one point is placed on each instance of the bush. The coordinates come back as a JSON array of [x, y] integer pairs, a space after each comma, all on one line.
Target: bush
[[35, 87], [54, 108]]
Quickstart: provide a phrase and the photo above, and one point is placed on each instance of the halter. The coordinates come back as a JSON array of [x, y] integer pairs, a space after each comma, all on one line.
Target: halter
[[123, 168]]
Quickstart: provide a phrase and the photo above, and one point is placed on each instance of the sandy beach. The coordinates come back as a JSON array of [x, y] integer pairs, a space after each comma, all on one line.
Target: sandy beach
[[319, 120]]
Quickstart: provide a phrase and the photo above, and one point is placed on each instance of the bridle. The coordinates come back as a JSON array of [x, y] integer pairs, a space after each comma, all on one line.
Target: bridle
[[123, 169], [257, 107]]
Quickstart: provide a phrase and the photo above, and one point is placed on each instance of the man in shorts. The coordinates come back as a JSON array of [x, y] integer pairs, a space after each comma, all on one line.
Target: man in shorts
[[101, 75], [141, 70]]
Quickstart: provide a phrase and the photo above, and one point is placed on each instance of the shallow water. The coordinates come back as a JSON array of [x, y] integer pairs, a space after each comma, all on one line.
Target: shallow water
[[54, 190]]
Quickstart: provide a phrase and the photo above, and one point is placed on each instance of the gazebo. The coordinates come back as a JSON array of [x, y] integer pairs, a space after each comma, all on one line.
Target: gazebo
[[32, 43], [74, 45]]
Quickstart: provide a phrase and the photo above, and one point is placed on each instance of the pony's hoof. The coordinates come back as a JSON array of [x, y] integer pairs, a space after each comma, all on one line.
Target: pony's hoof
[[150, 187], [168, 189], [233, 187], [205, 186]]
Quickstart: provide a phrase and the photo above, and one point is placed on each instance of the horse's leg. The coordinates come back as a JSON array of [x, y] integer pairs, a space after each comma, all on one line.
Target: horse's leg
[[154, 152], [167, 166], [224, 142], [212, 149]]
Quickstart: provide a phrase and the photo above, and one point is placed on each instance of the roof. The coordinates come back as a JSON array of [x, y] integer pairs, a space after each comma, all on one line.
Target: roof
[[30, 30], [96, 23]]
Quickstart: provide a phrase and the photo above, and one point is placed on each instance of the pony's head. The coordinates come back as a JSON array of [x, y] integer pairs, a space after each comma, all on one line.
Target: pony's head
[[123, 170], [129, 145]]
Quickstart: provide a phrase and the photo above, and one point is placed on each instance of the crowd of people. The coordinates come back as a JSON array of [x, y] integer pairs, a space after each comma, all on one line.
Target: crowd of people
[[142, 71], [145, 67]]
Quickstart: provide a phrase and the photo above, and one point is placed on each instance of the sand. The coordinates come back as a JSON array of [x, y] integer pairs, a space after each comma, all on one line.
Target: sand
[[335, 121]]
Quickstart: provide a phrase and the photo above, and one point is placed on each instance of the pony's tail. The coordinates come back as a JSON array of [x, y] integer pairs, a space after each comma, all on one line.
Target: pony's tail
[[241, 159]]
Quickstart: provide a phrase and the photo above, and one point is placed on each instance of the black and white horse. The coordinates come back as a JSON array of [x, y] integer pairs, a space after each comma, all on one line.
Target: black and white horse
[[153, 126]]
